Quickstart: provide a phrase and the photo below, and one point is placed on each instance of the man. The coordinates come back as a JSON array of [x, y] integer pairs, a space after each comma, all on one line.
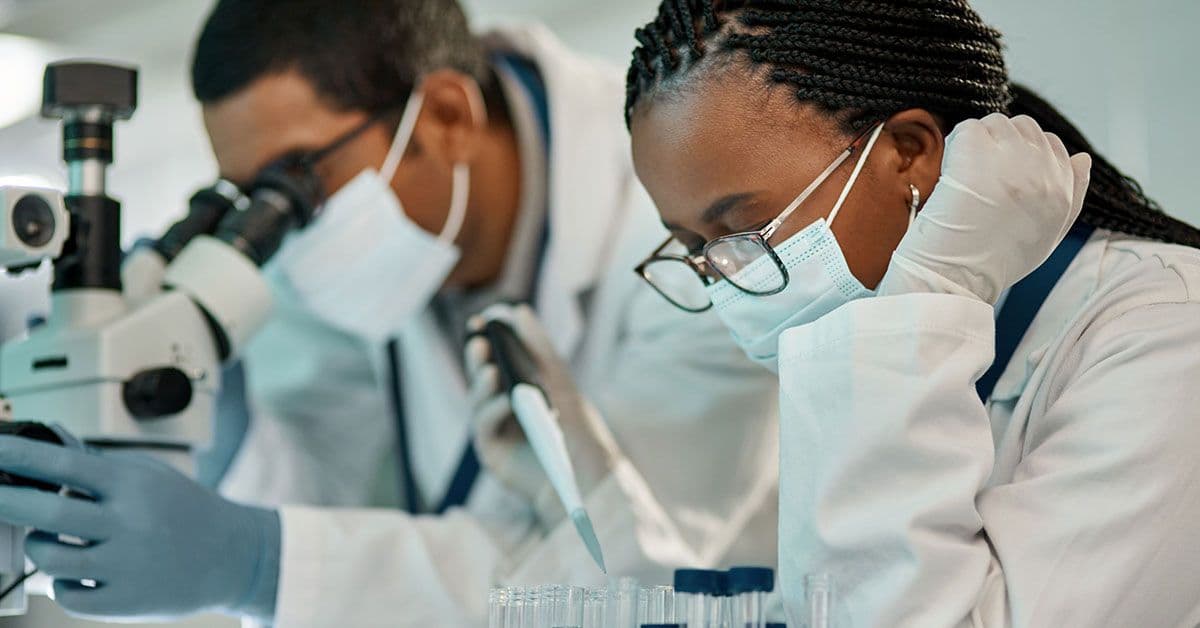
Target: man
[[459, 171]]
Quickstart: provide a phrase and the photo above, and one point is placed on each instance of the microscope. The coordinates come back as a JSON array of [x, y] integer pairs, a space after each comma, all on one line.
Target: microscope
[[137, 366]]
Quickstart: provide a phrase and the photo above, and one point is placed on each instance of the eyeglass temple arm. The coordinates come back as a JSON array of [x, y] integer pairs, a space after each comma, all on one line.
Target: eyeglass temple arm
[[771, 227], [872, 132]]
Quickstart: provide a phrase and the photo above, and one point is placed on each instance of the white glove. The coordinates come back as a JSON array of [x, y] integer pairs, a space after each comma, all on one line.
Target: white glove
[[499, 439], [1008, 195]]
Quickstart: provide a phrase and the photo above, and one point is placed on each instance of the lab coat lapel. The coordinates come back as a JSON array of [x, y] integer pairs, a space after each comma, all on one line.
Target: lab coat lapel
[[434, 394], [586, 210]]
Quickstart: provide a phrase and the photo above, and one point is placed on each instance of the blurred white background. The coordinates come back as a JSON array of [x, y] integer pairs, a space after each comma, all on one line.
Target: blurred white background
[[1124, 71]]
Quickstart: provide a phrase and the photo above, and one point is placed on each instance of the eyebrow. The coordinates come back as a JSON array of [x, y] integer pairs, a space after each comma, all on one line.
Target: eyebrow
[[723, 206]]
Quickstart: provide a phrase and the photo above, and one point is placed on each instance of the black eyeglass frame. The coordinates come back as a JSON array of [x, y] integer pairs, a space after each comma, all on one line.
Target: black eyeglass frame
[[304, 162]]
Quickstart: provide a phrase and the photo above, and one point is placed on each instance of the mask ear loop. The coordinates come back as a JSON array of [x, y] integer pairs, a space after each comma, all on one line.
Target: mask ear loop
[[461, 191], [461, 182], [862, 161], [404, 132], [459, 194]]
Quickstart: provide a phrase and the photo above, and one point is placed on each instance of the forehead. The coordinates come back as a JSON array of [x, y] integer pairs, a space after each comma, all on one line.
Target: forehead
[[274, 115], [727, 134]]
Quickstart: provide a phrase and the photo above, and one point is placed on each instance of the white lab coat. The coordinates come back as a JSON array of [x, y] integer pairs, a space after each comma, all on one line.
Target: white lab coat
[[696, 421], [1072, 499]]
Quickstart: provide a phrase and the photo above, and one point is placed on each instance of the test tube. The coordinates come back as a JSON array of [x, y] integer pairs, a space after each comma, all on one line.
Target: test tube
[[657, 606], [594, 606], [497, 605], [818, 590], [623, 597], [719, 606], [748, 587], [543, 605], [514, 607], [568, 608], [695, 597]]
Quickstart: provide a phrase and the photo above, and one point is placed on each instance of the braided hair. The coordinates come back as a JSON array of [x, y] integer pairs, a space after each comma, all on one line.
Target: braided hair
[[862, 61]]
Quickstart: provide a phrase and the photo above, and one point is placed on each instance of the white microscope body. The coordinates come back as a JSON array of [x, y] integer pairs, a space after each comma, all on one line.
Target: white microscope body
[[136, 368], [139, 374]]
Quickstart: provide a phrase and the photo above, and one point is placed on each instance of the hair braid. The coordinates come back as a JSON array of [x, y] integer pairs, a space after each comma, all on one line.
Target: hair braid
[[1114, 201], [865, 60]]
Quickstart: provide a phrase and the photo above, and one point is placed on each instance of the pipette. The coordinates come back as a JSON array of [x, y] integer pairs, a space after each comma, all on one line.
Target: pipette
[[519, 375]]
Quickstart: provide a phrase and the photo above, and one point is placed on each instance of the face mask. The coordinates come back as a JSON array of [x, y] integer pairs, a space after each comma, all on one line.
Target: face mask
[[363, 266], [819, 282]]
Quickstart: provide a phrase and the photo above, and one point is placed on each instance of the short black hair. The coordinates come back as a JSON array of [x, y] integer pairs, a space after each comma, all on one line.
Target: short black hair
[[358, 54]]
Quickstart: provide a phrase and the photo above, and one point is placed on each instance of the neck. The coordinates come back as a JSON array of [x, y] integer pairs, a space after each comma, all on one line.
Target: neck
[[496, 198]]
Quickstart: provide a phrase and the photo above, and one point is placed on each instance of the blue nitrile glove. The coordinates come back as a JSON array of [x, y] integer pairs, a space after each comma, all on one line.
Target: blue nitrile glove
[[159, 544]]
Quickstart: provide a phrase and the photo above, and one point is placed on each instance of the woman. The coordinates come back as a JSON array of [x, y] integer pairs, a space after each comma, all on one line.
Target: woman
[[845, 187]]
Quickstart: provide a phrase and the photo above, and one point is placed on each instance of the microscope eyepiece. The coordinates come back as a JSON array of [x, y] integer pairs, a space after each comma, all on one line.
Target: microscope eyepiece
[[279, 203], [206, 209]]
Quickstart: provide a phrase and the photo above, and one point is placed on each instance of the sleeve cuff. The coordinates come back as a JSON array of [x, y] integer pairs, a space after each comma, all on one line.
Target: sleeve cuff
[[906, 314], [259, 602], [905, 277]]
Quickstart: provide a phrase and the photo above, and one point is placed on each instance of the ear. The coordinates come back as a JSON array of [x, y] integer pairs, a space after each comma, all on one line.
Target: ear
[[920, 143], [453, 118]]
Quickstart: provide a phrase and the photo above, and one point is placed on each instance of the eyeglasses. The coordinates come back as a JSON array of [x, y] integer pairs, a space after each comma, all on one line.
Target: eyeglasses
[[303, 163], [746, 260]]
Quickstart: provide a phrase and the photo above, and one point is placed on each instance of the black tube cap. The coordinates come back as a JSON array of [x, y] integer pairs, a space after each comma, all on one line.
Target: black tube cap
[[699, 581], [751, 580]]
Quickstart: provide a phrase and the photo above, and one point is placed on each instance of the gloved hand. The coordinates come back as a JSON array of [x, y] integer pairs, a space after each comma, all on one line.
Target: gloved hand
[[499, 439], [1008, 195], [156, 544]]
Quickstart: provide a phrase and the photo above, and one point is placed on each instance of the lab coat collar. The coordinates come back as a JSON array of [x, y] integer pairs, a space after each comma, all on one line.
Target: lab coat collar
[[589, 151], [1069, 294]]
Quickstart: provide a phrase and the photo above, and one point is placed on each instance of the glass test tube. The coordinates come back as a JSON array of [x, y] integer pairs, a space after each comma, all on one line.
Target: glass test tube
[[623, 597], [747, 610], [699, 610], [514, 607], [564, 607], [719, 605], [594, 605], [749, 588], [695, 594], [819, 592], [718, 611], [657, 606], [497, 605], [541, 606]]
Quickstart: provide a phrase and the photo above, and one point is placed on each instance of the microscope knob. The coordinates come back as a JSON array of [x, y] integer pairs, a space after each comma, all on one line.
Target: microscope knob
[[157, 393]]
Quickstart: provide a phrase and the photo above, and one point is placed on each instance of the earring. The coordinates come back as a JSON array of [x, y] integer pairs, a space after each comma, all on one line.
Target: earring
[[915, 204]]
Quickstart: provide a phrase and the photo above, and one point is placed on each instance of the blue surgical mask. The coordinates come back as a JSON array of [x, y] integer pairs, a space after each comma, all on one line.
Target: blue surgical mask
[[819, 282]]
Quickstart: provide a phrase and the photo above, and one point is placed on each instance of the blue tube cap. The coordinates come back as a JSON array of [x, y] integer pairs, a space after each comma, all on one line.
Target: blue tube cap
[[723, 584], [700, 581], [751, 580]]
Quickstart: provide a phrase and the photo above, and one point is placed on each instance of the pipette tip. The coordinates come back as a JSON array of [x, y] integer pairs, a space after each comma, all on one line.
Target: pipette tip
[[583, 524]]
